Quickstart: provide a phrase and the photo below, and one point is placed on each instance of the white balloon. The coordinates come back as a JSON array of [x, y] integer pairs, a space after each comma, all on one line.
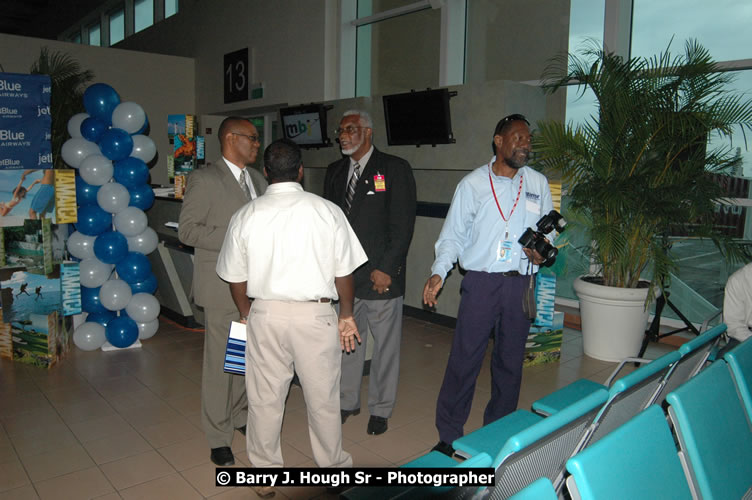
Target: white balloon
[[113, 197], [128, 116], [94, 272], [143, 308], [131, 221], [143, 148], [81, 246], [74, 124], [96, 170], [76, 149], [147, 330], [145, 242], [115, 294], [89, 336]]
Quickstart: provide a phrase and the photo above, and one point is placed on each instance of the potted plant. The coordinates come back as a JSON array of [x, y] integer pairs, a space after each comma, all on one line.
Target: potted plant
[[638, 173]]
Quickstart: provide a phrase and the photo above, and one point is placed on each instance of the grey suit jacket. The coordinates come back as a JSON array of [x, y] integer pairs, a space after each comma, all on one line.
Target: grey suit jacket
[[212, 196]]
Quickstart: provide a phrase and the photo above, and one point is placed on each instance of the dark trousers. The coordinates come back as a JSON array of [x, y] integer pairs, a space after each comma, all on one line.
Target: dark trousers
[[490, 302]]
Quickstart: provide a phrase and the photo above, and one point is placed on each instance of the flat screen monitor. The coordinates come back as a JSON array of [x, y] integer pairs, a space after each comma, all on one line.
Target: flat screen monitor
[[305, 125], [417, 118]]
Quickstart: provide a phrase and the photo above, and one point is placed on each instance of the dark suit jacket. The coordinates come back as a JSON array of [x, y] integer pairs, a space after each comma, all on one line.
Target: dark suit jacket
[[382, 220], [212, 196]]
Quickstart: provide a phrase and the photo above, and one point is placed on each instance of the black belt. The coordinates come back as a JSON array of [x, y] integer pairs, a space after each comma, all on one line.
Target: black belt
[[323, 300], [510, 273]]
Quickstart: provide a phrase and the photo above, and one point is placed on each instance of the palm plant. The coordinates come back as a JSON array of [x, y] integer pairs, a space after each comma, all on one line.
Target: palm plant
[[68, 85], [642, 169]]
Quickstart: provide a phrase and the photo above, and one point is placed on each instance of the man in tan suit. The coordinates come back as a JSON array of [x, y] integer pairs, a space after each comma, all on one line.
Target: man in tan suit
[[212, 196]]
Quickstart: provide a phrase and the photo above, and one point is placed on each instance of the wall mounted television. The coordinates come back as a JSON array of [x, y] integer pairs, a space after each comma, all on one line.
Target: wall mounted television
[[306, 125], [416, 118]]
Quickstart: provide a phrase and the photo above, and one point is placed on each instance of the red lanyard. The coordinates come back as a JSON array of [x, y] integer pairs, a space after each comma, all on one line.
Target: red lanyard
[[519, 191]]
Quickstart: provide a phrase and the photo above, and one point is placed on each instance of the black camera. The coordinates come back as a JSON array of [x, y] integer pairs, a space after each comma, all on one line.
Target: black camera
[[536, 240]]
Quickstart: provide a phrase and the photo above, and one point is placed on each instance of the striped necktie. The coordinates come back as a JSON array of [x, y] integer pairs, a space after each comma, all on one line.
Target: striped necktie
[[351, 187], [242, 180]]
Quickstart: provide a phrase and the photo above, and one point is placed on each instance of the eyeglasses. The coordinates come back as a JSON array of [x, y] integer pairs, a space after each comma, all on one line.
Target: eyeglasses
[[349, 130], [252, 138], [510, 118]]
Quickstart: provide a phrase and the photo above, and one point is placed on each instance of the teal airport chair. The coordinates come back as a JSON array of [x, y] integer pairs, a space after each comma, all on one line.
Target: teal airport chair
[[714, 436], [739, 360], [637, 460], [693, 355], [542, 489]]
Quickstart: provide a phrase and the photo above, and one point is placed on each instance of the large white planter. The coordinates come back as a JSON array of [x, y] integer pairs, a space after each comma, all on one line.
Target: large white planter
[[613, 320]]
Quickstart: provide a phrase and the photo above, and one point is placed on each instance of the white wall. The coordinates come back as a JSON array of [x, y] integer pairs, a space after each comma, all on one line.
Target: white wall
[[160, 84]]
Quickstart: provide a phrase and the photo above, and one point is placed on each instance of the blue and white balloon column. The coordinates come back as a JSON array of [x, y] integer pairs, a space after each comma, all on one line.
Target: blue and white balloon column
[[112, 238]]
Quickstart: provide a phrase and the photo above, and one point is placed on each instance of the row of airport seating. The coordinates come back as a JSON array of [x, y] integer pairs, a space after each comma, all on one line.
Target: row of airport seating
[[613, 441]]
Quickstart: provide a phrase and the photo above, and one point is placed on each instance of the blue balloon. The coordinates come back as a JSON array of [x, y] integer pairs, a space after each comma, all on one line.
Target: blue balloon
[[100, 100], [86, 194], [149, 285], [116, 144], [111, 247], [134, 268], [142, 196], [92, 220], [93, 128], [121, 331], [90, 300], [131, 172], [101, 318]]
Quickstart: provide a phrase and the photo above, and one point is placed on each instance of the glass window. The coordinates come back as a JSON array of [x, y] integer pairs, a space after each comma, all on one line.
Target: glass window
[[143, 11], [170, 8], [585, 23], [378, 6], [384, 65], [95, 34], [722, 26], [117, 26], [75, 38]]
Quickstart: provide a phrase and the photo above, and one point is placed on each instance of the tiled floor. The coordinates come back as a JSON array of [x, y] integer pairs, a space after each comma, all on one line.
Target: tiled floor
[[127, 424]]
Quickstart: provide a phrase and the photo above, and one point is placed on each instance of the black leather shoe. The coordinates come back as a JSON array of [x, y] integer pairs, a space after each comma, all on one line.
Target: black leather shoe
[[241, 430], [346, 413], [222, 456], [376, 425], [444, 448]]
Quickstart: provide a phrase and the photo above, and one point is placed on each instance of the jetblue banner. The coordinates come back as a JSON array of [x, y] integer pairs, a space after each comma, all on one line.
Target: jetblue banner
[[25, 121]]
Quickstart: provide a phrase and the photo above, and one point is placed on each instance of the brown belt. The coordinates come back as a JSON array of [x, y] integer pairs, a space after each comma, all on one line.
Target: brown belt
[[323, 300]]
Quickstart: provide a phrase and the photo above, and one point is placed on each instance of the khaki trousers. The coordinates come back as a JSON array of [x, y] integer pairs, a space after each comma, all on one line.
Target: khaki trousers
[[284, 337]]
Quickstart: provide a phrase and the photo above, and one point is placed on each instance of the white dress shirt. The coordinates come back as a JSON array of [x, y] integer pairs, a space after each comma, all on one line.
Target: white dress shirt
[[237, 172], [737, 304], [289, 245]]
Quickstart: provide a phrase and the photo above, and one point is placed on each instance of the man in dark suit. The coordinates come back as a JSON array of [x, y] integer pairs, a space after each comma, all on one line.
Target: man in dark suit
[[377, 193], [212, 196]]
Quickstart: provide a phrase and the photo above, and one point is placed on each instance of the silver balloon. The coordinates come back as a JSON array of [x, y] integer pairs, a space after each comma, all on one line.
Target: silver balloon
[[96, 170], [89, 336], [75, 150], [143, 148], [74, 124], [128, 116], [145, 242], [113, 197], [115, 294], [143, 308], [94, 272], [147, 330], [131, 221], [81, 246]]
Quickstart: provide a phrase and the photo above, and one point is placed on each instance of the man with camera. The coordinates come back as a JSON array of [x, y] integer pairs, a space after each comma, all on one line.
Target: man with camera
[[492, 208]]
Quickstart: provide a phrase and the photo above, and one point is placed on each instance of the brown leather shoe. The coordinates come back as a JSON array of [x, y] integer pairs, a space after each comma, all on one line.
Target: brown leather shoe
[[265, 491]]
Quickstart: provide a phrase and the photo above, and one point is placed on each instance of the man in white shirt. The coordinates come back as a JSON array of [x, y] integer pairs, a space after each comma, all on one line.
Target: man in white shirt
[[737, 306], [213, 194], [294, 253]]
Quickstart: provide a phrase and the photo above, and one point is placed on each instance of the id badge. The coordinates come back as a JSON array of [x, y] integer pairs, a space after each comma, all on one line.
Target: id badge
[[378, 183], [504, 251]]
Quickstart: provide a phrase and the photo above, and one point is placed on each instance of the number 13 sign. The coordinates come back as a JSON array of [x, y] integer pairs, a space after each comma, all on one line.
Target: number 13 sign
[[236, 76]]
